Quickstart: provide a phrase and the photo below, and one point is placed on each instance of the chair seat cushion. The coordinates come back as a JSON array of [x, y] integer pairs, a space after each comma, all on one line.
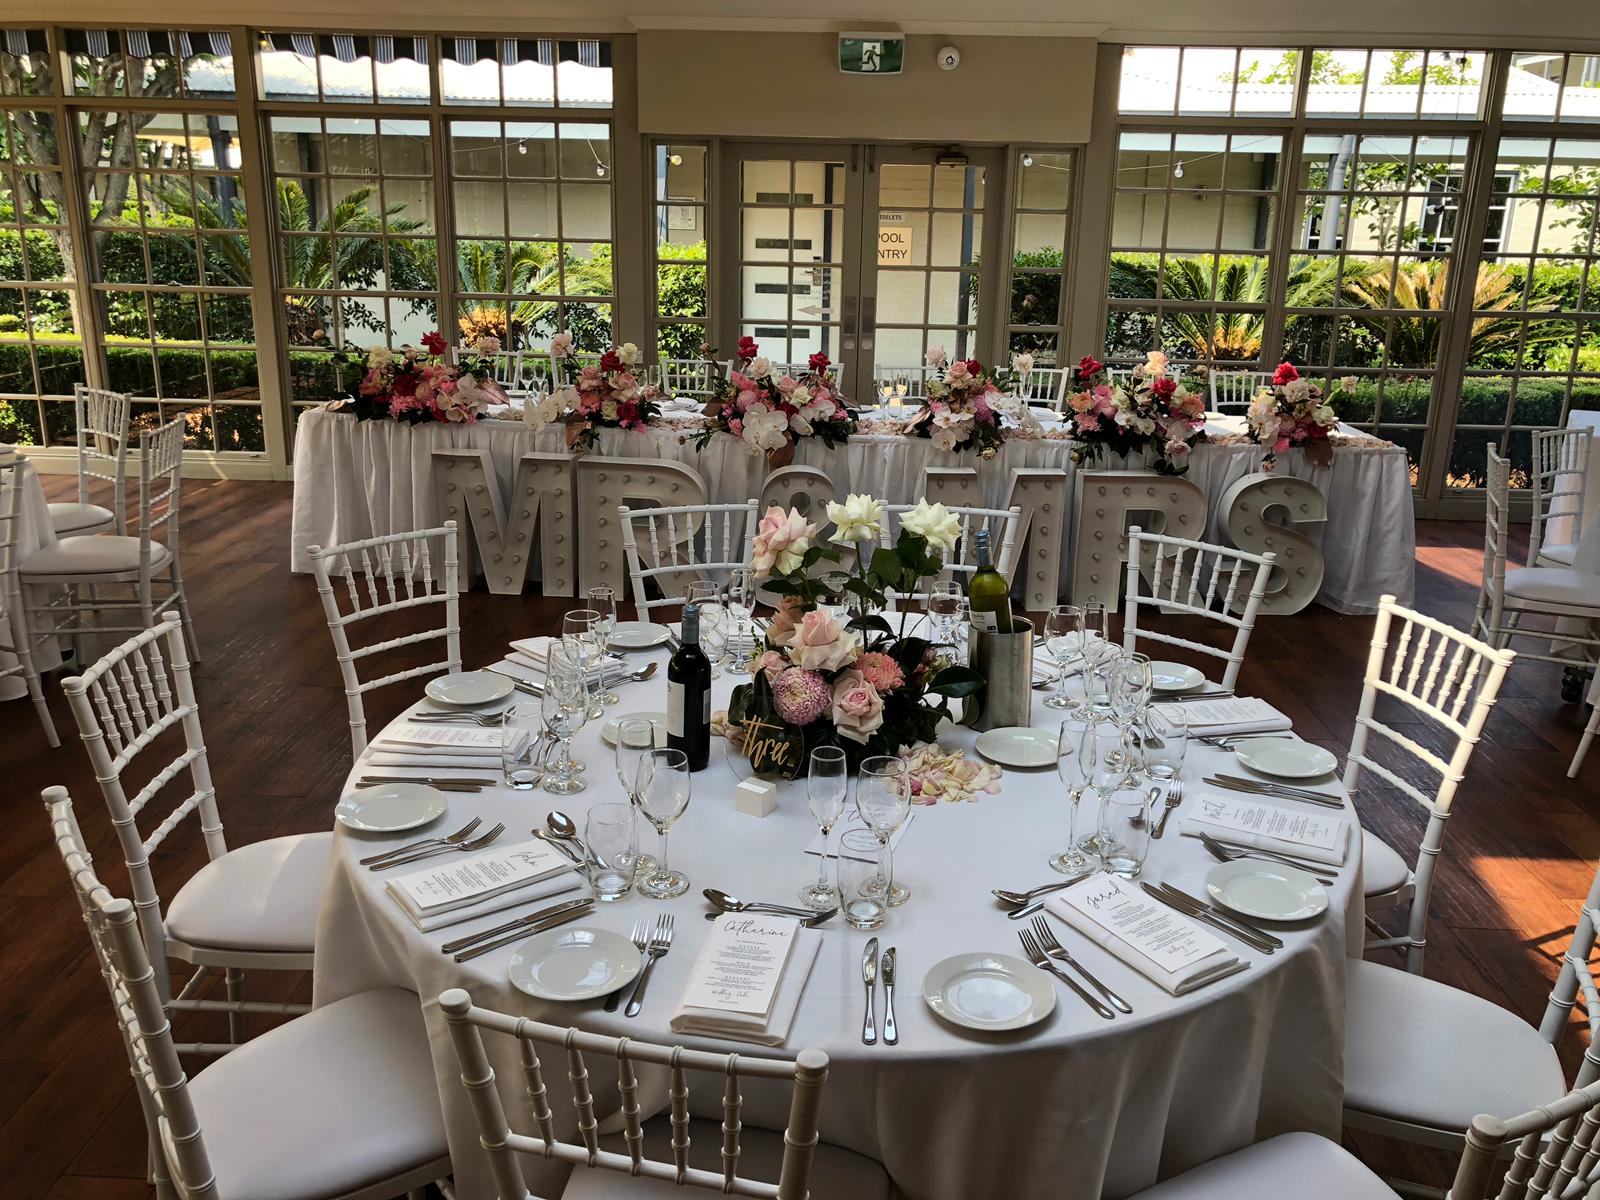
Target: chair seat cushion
[[71, 517], [1301, 1165], [336, 1100], [1382, 868], [97, 554], [262, 897], [836, 1173], [1429, 1054], [1555, 585], [1560, 552]]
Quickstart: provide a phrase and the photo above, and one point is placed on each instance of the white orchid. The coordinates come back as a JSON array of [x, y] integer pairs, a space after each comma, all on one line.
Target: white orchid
[[935, 522], [858, 519], [765, 430]]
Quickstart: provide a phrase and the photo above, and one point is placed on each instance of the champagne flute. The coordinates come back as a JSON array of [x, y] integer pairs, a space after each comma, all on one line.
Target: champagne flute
[[825, 791], [1075, 750], [579, 632], [565, 708], [741, 600], [664, 788], [603, 600], [1064, 638], [883, 798]]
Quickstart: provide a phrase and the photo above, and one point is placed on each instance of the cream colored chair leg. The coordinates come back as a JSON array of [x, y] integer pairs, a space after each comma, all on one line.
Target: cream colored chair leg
[[1590, 729], [183, 611], [233, 980]]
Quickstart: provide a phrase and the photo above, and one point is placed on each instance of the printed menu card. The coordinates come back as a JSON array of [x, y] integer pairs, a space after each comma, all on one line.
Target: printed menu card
[[1322, 837], [747, 981], [1228, 714], [440, 738]]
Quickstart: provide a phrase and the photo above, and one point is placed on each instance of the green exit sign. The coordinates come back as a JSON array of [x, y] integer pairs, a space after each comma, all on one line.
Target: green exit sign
[[872, 53]]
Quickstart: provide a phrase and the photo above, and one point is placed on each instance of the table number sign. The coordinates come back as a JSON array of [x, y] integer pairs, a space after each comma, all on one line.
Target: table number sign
[[741, 964], [772, 748]]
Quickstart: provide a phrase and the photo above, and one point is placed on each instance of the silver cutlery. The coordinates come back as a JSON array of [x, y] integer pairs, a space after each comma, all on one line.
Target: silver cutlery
[[487, 720], [1051, 945], [891, 1034], [1225, 853], [1288, 860], [567, 852], [810, 922], [660, 943], [459, 835], [1174, 798], [527, 687], [869, 976], [533, 918], [528, 931], [1007, 896], [1027, 910], [1209, 917], [1239, 922], [640, 937], [1186, 697], [1287, 791], [441, 785], [1040, 959], [729, 903], [477, 843], [431, 780], [1228, 741]]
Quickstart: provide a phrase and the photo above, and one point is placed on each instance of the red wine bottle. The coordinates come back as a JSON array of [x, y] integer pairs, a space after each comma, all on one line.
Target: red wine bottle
[[689, 694]]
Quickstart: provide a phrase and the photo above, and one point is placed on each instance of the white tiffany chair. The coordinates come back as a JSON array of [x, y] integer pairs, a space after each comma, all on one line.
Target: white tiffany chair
[[88, 567], [1298, 1165], [1448, 680], [18, 644], [1232, 391], [252, 907], [102, 418], [1198, 579], [963, 561], [1560, 481], [508, 369], [384, 576], [1571, 597], [1045, 386], [688, 377], [674, 547], [619, 1167], [1555, 1152], [340, 1103]]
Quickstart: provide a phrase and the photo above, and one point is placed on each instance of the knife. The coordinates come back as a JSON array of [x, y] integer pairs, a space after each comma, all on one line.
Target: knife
[[532, 918], [891, 1035], [1190, 910], [869, 976], [1284, 789], [1238, 922], [443, 785], [548, 923]]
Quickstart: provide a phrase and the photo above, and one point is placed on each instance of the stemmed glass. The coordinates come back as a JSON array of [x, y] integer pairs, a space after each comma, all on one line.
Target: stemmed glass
[[741, 600], [1075, 750], [883, 798], [664, 787], [580, 635], [1130, 697], [1097, 653], [944, 604], [1108, 770], [603, 600], [709, 597], [636, 737], [825, 791], [565, 708], [1064, 638]]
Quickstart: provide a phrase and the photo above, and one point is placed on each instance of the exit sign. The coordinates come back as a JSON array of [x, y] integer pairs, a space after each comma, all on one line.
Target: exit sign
[[872, 53]]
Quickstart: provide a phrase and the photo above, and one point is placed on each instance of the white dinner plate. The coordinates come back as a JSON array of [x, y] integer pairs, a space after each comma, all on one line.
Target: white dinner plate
[[608, 731], [1268, 891], [468, 689], [573, 963], [988, 991], [391, 808], [1287, 758], [1018, 746], [1174, 677], [638, 635]]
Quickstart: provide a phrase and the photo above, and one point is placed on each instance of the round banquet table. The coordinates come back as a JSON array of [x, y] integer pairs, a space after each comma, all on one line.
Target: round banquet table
[[34, 532], [1075, 1108]]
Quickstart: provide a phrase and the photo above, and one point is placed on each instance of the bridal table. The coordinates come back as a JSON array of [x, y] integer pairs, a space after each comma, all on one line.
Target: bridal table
[[1072, 1109]]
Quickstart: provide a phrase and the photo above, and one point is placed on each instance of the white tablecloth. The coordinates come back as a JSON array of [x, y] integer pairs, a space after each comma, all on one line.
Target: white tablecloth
[[34, 532], [359, 479], [1073, 1109]]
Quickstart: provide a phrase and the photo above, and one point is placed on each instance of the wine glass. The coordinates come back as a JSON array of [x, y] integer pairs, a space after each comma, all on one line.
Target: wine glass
[[664, 787], [883, 798], [580, 634], [709, 597], [636, 737], [741, 600], [825, 791], [565, 708], [944, 603], [1109, 771], [1064, 639], [1130, 696], [1075, 750], [603, 600]]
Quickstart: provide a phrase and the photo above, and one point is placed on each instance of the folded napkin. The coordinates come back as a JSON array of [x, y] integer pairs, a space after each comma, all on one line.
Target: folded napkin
[[1322, 837], [544, 889], [1163, 945], [446, 891], [769, 1030], [1227, 715]]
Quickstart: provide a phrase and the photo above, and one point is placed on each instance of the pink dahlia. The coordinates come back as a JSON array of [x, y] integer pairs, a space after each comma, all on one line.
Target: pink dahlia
[[801, 696], [881, 671]]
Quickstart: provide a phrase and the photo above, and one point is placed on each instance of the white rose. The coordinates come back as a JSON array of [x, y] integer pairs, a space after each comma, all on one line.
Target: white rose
[[608, 410], [858, 519], [934, 522], [759, 368], [1347, 384], [628, 353], [380, 357], [1297, 390], [561, 346], [1325, 415], [936, 356], [1022, 364], [800, 395]]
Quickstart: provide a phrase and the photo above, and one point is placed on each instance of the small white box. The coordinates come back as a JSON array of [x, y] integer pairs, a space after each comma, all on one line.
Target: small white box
[[755, 797]]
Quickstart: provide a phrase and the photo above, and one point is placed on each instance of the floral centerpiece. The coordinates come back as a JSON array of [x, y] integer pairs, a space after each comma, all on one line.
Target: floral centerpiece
[[415, 384], [819, 679], [603, 395], [965, 403], [1292, 411], [1155, 411], [770, 411]]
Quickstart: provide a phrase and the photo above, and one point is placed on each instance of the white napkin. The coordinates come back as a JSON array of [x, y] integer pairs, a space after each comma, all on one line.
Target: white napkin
[[432, 764], [1227, 715], [439, 891], [541, 890], [772, 1030], [1322, 837], [1213, 961]]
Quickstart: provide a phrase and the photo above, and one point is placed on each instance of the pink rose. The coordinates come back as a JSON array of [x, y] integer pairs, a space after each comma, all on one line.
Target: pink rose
[[957, 372], [786, 384], [857, 707], [772, 664], [781, 541], [1177, 450], [822, 644], [747, 400], [781, 629]]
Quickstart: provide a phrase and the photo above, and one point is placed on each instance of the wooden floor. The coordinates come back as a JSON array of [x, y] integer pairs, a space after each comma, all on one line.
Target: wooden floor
[[1520, 854]]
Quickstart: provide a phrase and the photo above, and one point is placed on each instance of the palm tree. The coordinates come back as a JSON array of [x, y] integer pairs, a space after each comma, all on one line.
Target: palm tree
[[528, 271]]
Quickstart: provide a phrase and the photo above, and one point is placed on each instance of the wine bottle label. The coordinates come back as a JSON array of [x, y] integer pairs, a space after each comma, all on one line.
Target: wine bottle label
[[988, 622], [705, 709], [675, 709]]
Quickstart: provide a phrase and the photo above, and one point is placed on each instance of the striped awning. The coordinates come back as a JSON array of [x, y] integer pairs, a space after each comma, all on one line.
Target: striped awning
[[386, 48], [20, 42], [148, 43], [348, 47]]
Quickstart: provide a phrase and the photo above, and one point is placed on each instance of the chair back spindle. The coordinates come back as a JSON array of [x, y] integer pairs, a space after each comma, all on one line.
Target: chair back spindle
[[1560, 484], [674, 547], [102, 418]]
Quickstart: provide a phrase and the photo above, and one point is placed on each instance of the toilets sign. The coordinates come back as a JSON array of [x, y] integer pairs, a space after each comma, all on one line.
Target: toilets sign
[[894, 240]]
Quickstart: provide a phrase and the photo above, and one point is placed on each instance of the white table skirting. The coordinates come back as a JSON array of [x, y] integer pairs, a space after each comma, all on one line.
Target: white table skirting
[[34, 532], [359, 479]]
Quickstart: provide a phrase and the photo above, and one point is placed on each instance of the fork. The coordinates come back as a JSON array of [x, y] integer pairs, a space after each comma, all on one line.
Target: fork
[[640, 937], [459, 835], [1040, 959], [1227, 854], [1054, 949], [487, 720], [660, 943], [1174, 798], [477, 843]]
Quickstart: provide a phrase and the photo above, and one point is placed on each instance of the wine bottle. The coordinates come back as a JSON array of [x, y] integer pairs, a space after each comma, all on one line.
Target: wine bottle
[[689, 694], [988, 595]]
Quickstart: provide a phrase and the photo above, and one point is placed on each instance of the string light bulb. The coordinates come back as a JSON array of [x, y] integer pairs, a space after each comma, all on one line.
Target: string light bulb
[[1027, 160], [1177, 171], [675, 159], [522, 146]]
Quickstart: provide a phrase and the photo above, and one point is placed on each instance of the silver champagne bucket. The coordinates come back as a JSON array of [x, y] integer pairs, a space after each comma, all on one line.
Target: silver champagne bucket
[[1005, 660]]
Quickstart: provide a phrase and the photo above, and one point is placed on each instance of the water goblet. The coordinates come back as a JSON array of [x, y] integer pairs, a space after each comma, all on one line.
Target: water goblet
[[859, 896], [636, 737], [883, 798], [1075, 750], [1064, 638], [580, 635], [565, 708], [608, 831], [603, 600], [825, 791], [708, 596], [664, 789]]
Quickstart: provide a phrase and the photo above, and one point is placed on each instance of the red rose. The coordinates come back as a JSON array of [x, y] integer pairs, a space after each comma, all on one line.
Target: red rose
[[434, 342], [748, 348], [1284, 374], [405, 384], [1164, 386], [974, 366], [610, 362], [1089, 366], [818, 362], [627, 412]]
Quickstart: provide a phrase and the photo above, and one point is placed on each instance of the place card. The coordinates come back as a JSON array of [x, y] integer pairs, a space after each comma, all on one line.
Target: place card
[[1320, 836], [847, 823], [460, 882], [741, 963]]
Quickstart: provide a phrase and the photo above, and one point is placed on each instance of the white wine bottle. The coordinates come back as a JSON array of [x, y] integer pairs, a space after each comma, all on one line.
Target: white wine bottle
[[988, 595]]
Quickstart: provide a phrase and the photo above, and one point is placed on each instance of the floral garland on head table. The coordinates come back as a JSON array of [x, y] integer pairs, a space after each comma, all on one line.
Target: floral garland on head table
[[416, 385], [1155, 412], [770, 412], [1291, 411], [965, 403], [603, 395]]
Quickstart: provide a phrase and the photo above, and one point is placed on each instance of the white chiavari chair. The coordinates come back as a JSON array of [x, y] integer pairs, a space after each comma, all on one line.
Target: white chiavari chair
[[1197, 579], [384, 576], [1302, 1165], [338, 1103], [1560, 485], [102, 455], [674, 547], [253, 907], [85, 573], [1045, 386], [1554, 1155], [508, 369], [1569, 597], [1002, 524], [1232, 391], [620, 1166], [689, 377], [18, 643], [909, 384]]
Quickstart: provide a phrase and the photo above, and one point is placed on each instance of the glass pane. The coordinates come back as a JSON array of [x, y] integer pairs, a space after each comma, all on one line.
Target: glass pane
[[903, 239], [956, 239], [1267, 81], [1149, 80], [765, 293], [1045, 180], [480, 208], [1043, 234], [901, 295], [681, 173], [952, 297], [530, 150], [586, 210], [476, 148], [1207, 86], [534, 210], [1139, 220]]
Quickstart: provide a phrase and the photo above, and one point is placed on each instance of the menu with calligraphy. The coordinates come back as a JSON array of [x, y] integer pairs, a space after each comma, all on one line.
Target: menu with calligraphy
[[1313, 830], [741, 963], [1225, 710], [1157, 932]]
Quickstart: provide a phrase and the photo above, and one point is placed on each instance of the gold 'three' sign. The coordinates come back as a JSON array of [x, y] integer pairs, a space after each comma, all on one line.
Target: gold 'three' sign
[[771, 747]]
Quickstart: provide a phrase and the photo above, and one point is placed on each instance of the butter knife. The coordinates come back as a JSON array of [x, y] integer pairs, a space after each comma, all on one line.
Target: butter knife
[[869, 976], [891, 1035], [548, 923], [532, 918]]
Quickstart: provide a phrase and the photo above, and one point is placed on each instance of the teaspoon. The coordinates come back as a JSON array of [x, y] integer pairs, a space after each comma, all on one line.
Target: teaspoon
[[733, 904]]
